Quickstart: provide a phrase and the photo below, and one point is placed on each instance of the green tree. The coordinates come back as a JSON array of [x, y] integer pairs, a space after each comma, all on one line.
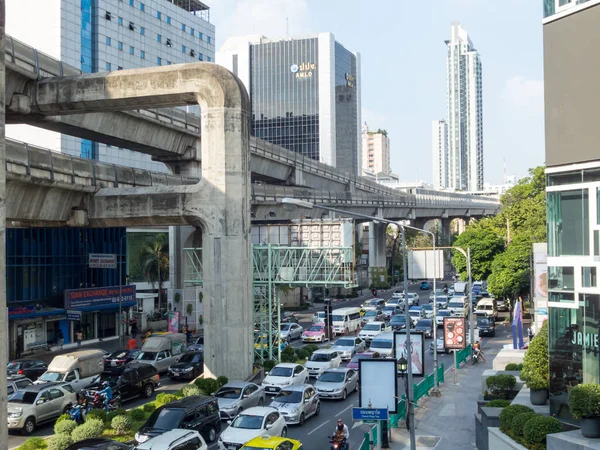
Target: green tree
[[510, 269], [154, 259], [485, 243]]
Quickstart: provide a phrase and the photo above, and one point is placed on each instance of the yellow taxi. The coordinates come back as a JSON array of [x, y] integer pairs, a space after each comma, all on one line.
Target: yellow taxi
[[272, 443]]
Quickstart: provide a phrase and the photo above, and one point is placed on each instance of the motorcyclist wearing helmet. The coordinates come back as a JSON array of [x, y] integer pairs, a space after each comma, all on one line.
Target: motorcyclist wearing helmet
[[342, 434], [107, 393], [477, 350]]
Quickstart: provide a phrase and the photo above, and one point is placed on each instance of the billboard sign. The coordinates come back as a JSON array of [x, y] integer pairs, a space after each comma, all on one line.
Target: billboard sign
[[417, 350], [421, 264], [455, 333], [540, 290], [99, 298], [378, 383], [102, 261], [173, 322]]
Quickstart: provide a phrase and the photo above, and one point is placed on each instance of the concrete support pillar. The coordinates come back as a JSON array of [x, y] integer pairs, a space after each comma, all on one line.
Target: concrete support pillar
[[444, 235], [377, 248], [419, 223]]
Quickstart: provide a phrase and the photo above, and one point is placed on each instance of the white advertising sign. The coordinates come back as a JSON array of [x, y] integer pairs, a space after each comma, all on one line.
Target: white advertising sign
[[102, 261], [416, 352]]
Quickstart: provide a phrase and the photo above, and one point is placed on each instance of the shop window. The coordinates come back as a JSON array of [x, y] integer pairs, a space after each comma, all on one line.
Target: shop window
[[561, 297], [568, 223], [588, 277], [561, 279]]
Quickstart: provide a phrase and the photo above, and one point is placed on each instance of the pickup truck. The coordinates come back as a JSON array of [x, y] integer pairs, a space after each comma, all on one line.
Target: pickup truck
[[77, 369]]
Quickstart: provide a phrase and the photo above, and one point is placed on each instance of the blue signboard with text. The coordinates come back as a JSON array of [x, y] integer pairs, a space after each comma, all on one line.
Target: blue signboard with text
[[92, 299], [370, 414]]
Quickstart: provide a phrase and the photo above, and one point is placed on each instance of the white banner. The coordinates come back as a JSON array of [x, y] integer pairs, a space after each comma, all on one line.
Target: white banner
[[102, 261]]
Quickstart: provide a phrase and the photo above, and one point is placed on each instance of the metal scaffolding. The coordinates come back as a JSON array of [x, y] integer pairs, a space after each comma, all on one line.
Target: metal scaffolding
[[276, 266]]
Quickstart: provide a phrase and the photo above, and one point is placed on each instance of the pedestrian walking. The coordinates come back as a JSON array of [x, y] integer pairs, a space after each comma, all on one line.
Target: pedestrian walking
[[134, 329], [78, 337], [60, 338]]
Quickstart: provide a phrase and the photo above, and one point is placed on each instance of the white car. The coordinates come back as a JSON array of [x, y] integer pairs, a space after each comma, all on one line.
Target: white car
[[282, 375], [413, 299], [174, 439], [398, 294], [459, 306], [439, 319], [251, 423], [427, 310], [321, 360], [394, 301], [372, 329]]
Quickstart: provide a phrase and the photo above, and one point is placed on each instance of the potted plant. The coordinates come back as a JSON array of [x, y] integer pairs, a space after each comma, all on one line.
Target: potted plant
[[190, 308], [584, 403], [536, 367]]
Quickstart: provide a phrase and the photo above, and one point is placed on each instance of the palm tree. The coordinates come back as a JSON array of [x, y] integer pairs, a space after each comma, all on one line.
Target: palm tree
[[154, 259]]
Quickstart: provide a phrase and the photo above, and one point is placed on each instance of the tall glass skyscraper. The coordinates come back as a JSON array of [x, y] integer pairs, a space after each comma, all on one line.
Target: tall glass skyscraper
[[305, 94], [465, 112]]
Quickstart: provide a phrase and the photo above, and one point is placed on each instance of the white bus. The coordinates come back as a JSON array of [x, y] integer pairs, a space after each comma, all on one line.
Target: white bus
[[345, 320]]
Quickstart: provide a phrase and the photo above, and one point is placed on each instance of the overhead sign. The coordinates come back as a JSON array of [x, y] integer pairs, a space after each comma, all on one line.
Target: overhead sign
[[102, 261], [74, 315], [426, 264], [455, 333], [99, 298], [370, 414], [417, 350], [378, 383]]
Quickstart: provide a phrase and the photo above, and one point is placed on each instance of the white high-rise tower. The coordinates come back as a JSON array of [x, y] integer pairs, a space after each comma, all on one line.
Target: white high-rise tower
[[439, 138], [465, 112]]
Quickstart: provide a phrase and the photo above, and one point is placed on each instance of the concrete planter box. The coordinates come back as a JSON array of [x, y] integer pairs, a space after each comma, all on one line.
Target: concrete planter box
[[499, 441], [492, 372], [524, 398], [571, 440], [489, 418], [159, 325], [506, 356]]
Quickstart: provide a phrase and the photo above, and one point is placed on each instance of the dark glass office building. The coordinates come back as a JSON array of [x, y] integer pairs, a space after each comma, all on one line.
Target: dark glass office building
[[305, 94]]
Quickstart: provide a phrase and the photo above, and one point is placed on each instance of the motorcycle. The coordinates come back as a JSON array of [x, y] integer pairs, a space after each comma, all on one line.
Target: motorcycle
[[475, 357], [337, 444], [77, 413], [96, 400]]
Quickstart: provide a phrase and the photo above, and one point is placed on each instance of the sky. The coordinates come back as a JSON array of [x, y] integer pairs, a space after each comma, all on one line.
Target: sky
[[401, 43]]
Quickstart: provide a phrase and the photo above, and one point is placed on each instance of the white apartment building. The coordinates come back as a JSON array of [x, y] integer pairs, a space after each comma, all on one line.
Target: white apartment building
[[105, 35], [375, 151], [465, 112], [439, 139]]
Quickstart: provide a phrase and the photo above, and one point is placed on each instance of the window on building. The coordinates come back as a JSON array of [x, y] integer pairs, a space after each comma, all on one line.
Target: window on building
[[120, 45], [208, 39], [568, 222], [120, 21], [142, 31], [158, 38], [108, 66], [588, 277], [183, 27], [131, 50], [192, 32], [200, 35], [108, 41], [119, 67], [158, 60], [131, 26], [208, 58], [142, 7], [192, 53], [183, 49], [168, 63], [108, 15], [169, 20], [158, 15], [169, 43], [130, 2], [200, 56], [142, 54]]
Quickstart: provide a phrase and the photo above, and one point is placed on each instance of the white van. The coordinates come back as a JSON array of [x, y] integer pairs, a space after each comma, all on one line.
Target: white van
[[318, 317], [345, 320], [487, 307], [383, 344]]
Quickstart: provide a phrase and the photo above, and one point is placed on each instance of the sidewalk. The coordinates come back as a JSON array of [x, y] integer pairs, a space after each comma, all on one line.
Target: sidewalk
[[448, 422]]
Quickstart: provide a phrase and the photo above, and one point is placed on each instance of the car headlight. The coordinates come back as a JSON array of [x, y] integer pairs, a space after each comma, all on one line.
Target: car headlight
[[294, 411], [232, 406], [14, 415], [140, 438], [189, 369]]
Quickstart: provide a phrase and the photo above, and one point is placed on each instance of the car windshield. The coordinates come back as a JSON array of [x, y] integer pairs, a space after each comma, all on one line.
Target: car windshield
[[321, 357], [414, 312], [344, 343], [23, 397], [371, 314], [119, 354], [360, 356], [247, 422], [316, 328], [337, 318], [147, 356], [332, 377], [190, 357], [483, 321], [485, 307], [286, 396], [443, 313], [381, 344], [51, 376], [229, 392], [372, 327], [13, 365], [425, 323], [427, 307], [281, 372], [166, 419], [110, 377], [398, 319], [285, 327], [389, 308]]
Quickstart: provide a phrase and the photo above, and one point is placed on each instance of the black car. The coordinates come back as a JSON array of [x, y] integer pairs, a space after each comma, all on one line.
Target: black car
[[31, 368], [137, 380], [189, 366], [98, 444], [398, 322], [196, 412], [486, 326], [120, 358], [425, 326]]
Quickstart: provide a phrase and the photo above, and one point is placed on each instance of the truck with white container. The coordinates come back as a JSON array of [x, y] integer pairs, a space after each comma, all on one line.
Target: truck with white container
[[78, 369]]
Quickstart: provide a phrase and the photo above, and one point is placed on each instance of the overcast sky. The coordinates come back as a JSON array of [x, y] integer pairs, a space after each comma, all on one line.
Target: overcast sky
[[404, 67]]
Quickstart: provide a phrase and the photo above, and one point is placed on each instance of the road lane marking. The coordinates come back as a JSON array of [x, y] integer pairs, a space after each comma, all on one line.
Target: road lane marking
[[344, 410], [315, 429]]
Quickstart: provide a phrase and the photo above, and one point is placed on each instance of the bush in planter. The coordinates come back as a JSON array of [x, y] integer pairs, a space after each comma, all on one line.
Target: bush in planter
[[137, 415], [514, 367], [509, 413], [149, 407], [163, 399], [536, 429], [59, 441], [33, 443], [269, 364], [518, 423], [499, 403], [191, 389], [121, 424], [92, 428], [584, 401], [64, 427], [501, 385], [535, 364]]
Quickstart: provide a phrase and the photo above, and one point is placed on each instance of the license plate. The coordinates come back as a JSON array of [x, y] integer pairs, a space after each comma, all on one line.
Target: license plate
[[113, 363], [176, 375], [231, 447], [271, 389]]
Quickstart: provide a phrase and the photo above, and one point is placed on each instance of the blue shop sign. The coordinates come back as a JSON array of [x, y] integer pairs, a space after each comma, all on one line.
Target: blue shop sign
[[93, 299], [370, 414]]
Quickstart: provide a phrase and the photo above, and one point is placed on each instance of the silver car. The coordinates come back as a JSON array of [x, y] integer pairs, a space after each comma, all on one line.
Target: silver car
[[297, 403], [337, 383], [236, 396], [289, 331], [348, 346]]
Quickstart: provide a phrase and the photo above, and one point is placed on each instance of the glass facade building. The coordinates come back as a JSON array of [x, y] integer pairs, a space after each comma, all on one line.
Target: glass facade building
[[305, 94]]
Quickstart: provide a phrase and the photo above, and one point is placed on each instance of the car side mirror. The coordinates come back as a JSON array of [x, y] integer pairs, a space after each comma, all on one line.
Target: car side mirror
[[40, 401], [269, 426], [307, 400], [229, 422], [245, 395], [267, 373]]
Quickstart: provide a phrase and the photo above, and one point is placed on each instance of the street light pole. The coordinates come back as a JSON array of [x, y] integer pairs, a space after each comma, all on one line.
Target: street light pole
[[471, 324], [121, 340]]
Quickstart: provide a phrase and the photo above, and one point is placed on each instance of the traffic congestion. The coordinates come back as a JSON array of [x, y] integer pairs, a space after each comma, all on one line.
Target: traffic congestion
[[296, 405]]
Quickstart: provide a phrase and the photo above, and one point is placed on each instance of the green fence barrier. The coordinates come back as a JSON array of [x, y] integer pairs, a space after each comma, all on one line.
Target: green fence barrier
[[462, 355], [440, 374]]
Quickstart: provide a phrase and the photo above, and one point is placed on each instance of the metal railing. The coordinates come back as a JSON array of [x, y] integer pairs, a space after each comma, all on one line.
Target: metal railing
[[463, 355]]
